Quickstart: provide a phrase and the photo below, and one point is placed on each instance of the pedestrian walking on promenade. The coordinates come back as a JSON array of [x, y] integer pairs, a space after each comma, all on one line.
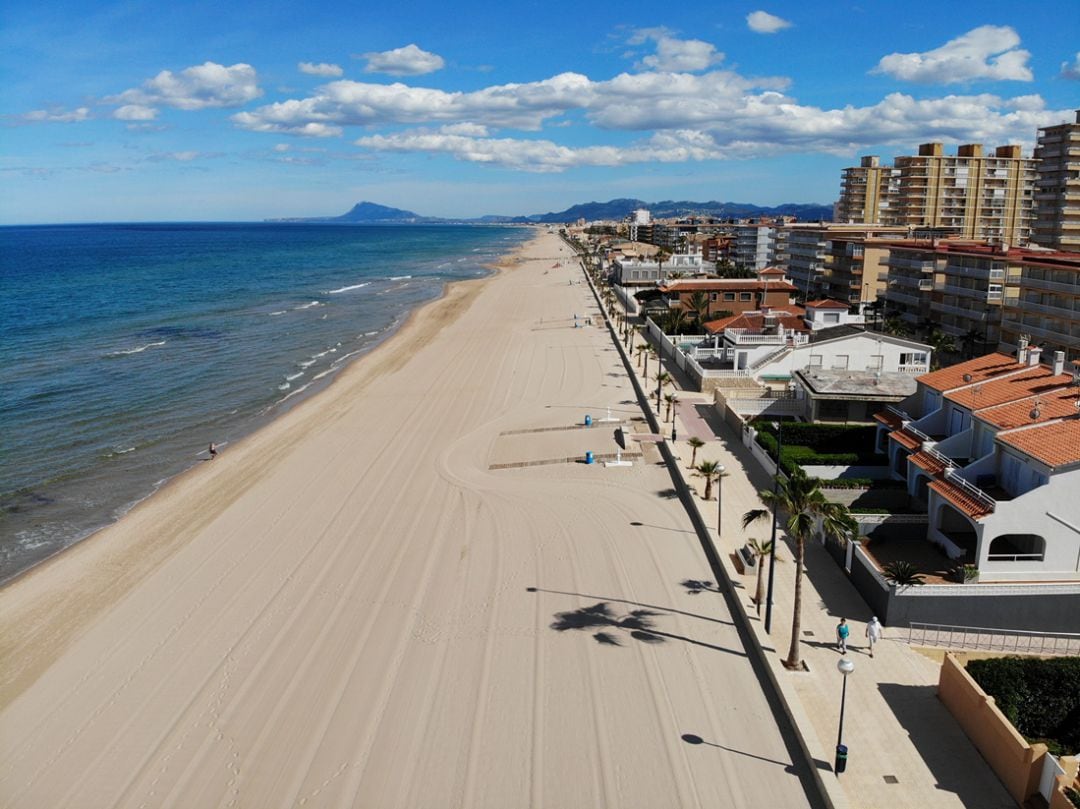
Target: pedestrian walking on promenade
[[842, 632], [873, 633]]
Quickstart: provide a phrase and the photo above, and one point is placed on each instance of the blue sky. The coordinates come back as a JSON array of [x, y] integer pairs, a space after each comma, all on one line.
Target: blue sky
[[141, 111]]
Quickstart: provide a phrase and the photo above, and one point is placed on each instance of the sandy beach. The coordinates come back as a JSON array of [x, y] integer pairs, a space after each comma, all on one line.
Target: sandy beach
[[405, 592]]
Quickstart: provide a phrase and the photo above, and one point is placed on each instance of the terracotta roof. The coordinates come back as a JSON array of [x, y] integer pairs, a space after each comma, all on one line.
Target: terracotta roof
[[905, 440], [961, 499], [755, 321], [772, 271], [1035, 380], [980, 368], [928, 463], [826, 304], [889, 419], [726, 285], [1055, 444], [1054, 404]]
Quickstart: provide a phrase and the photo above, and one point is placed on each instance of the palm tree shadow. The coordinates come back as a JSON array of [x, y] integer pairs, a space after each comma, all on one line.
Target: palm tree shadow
[[695, 587]]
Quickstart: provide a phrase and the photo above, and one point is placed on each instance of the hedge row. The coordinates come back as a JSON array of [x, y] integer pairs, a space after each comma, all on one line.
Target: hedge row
[[832, 438], [800, 455], [1040, 697]]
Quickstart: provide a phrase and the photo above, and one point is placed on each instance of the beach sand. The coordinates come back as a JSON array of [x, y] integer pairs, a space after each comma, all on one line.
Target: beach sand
[[352, 608]]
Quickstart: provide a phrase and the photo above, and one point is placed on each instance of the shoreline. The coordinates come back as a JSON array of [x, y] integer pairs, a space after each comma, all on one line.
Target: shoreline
[[264, 419], [393, 352]]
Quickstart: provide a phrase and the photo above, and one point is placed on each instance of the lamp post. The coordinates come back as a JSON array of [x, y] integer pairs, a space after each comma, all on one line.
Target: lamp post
[[719, 499], [846, 667], [772, 550]]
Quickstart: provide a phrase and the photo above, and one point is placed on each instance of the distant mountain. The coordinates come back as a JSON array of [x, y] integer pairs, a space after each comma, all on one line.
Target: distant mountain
[[369, 213]]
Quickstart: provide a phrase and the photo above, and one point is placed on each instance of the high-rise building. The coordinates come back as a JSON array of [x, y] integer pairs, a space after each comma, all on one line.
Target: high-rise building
[[971, 194], [835, 260], [1045, 306], [753, 246], [985, 197], [1057, 191], [867, 191]]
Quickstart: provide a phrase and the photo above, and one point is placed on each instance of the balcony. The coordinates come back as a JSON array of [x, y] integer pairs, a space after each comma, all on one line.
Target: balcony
[[1043, 309], [1051, 286], [905, 298], [977, 315], [969, 292], [908, 264], [1055, 336]]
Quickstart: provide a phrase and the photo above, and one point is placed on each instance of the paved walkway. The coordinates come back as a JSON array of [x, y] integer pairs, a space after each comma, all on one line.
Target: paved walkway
[[905, 749]]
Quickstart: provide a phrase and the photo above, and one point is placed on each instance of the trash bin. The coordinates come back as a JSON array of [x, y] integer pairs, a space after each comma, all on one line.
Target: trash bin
[[841, 758], [588, 421], [588, 457]]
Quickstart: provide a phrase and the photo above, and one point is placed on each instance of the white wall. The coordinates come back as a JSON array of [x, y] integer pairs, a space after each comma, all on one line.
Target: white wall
[[859, 348]]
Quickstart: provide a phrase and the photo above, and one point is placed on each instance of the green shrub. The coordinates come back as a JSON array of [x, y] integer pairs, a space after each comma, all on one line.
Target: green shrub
[[1040, 697], [1073, 795]]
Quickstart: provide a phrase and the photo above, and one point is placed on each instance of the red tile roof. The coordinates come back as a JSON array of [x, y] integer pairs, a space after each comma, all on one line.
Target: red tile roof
[[962, 500], [1035, 380], [1055, 444], [980, 368], [827, 304], [928, 463], [889, 419], [1054, 404], [755, 321], [772, 271], [905, 440]]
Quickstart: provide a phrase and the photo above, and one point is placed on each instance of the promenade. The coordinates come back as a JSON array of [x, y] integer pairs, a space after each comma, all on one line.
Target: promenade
[[905, 749]]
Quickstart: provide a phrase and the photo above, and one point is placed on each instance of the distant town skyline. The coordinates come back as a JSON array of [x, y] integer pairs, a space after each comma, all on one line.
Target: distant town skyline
[[148, 111]]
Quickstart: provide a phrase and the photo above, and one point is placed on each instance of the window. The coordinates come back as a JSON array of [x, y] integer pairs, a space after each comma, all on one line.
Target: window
[[746, 296], [840, 362], [729, 296], [875, 362], [712, 296], [815, 361], [832, 317]]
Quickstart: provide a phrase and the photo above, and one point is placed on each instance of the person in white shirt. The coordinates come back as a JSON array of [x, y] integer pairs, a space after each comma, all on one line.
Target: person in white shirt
[[873, 633]]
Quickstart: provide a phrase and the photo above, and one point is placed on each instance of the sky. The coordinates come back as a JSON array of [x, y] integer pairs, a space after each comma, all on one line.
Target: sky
[[237, 111]]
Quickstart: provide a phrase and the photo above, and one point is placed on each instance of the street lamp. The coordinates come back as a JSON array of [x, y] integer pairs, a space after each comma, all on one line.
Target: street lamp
[[846, 667], [719, 499], [772, 549]]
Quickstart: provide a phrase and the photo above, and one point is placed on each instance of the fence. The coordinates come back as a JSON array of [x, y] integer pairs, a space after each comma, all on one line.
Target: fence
[[994, 640]]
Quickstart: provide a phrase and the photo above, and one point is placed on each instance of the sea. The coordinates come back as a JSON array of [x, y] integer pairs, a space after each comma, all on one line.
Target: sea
[[125, 350]]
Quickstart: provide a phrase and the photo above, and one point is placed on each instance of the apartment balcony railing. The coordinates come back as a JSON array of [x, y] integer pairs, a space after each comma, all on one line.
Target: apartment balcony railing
[[903, 297], [907, 263], [1052, 286], [909, 427], [971, 292], [971, 314], [1044, 309], [914, 368], [747, 337], [903, 414]]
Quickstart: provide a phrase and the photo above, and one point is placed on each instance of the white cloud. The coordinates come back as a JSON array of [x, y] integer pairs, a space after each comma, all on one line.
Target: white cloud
[[320, 69], [762, 22], [676, 55], [58, 115], [407, 61], [988, 52], [195, 88], [1071, 70], [135, 112]]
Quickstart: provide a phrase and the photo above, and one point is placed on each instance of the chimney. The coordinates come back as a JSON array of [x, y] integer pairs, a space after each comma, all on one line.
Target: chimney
[[1059, 362], [1022, 350], [1033, 356]]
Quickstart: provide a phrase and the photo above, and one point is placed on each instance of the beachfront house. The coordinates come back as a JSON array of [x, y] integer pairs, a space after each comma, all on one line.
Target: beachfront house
[[991, 446]]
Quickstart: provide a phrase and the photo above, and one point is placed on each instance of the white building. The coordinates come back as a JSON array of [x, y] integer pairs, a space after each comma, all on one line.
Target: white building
[[647, 271], [753, 246]]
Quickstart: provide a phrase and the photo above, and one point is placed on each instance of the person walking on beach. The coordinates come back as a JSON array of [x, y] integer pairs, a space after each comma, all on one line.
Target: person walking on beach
[[842, 632], [873, 633], [213, 450]]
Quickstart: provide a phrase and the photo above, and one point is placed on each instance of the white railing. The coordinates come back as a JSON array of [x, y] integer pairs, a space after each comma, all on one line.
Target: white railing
[[953, 477], [993, 640], [920, 368], [945, 459], [896, 411], [908, 427], [770, 357]]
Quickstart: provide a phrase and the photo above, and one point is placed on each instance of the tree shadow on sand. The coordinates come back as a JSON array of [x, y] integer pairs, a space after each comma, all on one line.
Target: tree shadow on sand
[[638, 624]]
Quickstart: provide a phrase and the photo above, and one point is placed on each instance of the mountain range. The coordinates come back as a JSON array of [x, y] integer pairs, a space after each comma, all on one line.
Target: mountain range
[[370, 213]]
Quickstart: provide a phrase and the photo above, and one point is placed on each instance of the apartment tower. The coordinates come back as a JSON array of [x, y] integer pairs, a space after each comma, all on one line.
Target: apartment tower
[[1057, 189], [867, 191]]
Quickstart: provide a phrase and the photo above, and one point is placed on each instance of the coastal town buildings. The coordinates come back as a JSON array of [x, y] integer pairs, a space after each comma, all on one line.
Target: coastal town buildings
[[729, 296], [991, 446], [867, 191], [753, 246], [1042, 301], [656, 268], [977, 195], [1057, 192]]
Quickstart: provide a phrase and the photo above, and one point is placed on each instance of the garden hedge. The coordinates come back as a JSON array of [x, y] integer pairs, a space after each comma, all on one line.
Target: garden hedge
[[1040, 697]]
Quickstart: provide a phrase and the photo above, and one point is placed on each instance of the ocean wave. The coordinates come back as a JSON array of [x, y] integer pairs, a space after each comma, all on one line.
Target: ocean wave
[[284, 386], [399, 277], [370, 333], [349, 288], [307, 363], [280, 312], [309, 305], [137, 350], [291, 377]]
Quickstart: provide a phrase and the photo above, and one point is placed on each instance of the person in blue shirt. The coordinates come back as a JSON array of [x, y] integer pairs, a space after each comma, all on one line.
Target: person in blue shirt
[[842, 632]]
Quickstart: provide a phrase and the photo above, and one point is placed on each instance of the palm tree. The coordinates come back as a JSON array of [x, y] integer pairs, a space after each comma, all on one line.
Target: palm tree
[[695, 444], [710, 470], [800, 497], [650, 351], [662, 378], [896, 327], [661, 256], [761, 549], [699, 302], [641, 351], [671, 399], [941, 343]]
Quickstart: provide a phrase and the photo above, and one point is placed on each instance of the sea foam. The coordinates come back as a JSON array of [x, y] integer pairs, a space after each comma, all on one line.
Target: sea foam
[[349, 288]]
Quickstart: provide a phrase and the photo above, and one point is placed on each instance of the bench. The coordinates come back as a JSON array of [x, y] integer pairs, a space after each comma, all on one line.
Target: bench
[[745, 559]]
